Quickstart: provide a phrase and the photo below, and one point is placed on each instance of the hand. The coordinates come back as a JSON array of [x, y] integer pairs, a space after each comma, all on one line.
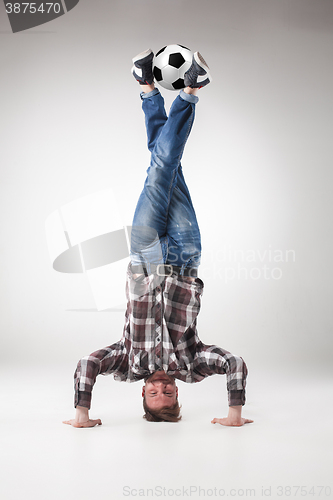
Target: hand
[[234, 418], [231, 422], [82, 419], [88, 423]]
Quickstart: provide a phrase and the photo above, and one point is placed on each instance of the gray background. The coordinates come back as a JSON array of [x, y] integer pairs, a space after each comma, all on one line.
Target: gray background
[[259, 167]]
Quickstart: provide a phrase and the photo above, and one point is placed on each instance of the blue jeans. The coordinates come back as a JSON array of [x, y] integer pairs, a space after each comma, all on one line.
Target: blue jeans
[[165, 228]]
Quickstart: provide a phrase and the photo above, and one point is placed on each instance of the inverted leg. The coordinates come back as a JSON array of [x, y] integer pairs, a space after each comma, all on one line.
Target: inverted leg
[[155, 115], [183, 234], [153, 205]]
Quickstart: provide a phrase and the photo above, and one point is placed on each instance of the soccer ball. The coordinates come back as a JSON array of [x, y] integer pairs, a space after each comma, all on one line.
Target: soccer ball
[[170, 65]]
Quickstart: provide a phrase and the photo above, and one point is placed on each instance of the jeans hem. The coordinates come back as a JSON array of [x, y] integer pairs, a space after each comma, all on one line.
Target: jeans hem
[[146, 95], [188, 97]]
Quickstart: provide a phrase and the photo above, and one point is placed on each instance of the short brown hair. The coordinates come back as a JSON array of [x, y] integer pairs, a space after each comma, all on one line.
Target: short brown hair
[[166, 414]]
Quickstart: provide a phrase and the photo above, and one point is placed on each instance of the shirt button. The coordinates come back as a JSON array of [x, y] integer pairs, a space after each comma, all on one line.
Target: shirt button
[[158, 339]]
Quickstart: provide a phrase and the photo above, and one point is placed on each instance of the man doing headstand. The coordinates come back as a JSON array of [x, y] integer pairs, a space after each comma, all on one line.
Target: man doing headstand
[[160, 342]]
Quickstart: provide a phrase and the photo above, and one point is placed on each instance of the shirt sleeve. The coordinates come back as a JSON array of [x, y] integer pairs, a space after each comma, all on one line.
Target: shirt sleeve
[[111, 359], [211, 360]]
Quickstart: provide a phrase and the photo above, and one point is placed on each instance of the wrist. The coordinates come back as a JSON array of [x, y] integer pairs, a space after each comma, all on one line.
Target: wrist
[[82, 414], [235, 412]]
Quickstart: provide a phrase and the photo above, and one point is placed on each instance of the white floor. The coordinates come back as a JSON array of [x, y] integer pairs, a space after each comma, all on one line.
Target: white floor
[[289, 445]]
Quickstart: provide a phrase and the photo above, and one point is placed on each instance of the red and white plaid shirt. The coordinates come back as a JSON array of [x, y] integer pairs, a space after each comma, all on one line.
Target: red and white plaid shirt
[[160, 333]]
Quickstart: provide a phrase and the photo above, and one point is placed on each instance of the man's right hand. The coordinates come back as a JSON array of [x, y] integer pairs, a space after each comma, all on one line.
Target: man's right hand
[[88, 423], [82, 419], [234, 418]]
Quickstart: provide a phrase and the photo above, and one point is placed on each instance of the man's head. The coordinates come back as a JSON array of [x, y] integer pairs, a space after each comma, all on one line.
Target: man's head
[[160, 398]]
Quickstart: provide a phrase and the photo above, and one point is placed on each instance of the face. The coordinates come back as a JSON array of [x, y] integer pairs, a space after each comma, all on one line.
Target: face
[[160, 391]]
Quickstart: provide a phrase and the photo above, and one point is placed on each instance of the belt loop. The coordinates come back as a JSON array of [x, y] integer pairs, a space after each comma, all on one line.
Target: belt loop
[[164, 272]]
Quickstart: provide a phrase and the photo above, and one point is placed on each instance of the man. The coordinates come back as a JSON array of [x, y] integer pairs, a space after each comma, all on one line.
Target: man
[[160, 342]]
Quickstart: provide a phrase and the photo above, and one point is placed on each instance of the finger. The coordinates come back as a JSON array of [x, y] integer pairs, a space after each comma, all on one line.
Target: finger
[[218, 421], [79, 425], [89, 423], [96, 422]]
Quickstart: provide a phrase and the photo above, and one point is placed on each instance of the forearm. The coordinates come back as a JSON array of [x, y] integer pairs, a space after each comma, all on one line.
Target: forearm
[[81, 414], [236, 371], [235, 414], [88, 368], [236, 398]]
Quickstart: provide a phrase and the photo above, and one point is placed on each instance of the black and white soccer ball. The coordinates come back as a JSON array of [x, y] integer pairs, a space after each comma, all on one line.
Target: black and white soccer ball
[[170, 65]]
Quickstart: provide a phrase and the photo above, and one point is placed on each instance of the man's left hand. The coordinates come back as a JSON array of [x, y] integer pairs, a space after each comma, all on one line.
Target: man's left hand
[[231, 422], [234, 418]]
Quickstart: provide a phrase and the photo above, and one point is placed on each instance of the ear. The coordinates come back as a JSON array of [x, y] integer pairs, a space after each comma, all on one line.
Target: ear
[[176, 392], [143, 391]]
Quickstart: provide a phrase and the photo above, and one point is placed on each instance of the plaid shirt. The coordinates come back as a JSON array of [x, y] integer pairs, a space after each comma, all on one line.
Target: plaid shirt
[[160, 333]]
